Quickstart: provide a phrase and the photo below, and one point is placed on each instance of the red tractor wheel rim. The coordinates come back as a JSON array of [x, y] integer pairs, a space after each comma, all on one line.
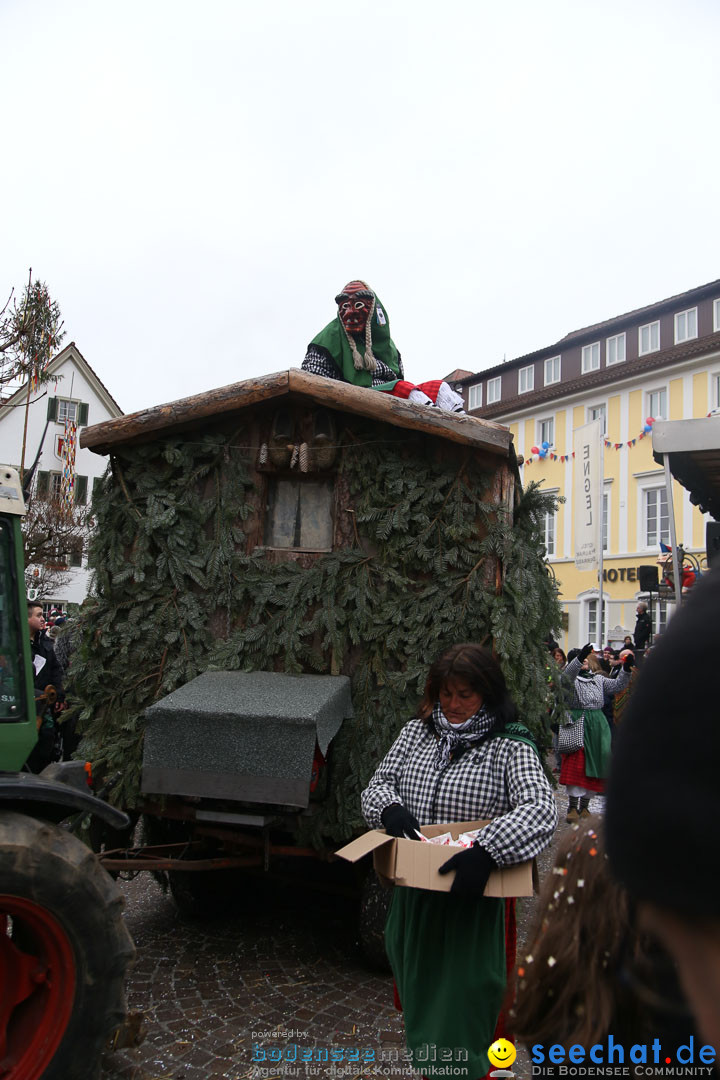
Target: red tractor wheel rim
[[34, 1023]]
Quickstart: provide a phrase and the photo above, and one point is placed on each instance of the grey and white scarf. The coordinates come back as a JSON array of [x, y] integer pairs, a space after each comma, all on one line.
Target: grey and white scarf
[[454, 737]]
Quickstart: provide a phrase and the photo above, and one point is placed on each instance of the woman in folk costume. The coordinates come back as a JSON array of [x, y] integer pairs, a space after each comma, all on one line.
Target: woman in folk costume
[[356, 347], [583, 772], [464, 758]]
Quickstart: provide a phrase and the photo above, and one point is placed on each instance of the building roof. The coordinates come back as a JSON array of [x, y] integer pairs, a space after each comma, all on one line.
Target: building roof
[[300, 386], [70, 352], [457, 375], [693, 449], [709, 343], [616, 323]]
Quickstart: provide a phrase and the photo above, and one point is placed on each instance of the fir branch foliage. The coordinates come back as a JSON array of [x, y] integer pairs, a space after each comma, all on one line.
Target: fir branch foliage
[[171, 566]]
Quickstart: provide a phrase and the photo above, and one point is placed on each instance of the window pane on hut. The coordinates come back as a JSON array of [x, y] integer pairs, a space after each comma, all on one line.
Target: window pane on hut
[[299, 515]]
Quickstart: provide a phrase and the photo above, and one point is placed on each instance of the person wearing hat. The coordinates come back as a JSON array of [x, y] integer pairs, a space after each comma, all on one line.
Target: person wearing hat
[[356, 347], [663, 801]]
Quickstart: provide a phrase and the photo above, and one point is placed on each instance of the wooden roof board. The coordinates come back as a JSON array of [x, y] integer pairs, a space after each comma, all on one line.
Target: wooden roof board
[[295, 384]]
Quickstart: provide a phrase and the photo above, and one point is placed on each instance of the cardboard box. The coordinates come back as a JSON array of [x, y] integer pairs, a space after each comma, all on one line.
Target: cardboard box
[[415, 865]]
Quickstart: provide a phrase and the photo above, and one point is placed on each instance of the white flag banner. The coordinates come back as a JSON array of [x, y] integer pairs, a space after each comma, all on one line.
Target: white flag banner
[[588, 443]]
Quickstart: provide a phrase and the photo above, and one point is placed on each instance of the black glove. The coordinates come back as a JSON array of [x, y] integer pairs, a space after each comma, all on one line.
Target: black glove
[[472, 870], [584, 652], [398, 821], [629, 663]]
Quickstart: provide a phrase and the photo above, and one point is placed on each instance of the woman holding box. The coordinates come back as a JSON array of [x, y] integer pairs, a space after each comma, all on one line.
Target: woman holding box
[[464, 758]]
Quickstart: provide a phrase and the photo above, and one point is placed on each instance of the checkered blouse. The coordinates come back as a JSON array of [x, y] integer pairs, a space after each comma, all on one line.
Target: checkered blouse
[[592, 693], [500, 779], [319, 362]]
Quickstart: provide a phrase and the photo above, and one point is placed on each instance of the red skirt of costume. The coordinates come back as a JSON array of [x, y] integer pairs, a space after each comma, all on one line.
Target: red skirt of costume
[[572, 771]]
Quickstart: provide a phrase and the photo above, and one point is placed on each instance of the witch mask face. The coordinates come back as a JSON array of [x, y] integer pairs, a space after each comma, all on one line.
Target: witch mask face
[[354, 306]]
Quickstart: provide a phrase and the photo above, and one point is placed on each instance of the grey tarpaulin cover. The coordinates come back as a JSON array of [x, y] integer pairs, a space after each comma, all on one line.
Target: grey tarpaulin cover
[[248, 736]]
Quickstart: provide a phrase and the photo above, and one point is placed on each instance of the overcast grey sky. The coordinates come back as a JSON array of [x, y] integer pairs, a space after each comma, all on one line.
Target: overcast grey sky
[[195, 182]]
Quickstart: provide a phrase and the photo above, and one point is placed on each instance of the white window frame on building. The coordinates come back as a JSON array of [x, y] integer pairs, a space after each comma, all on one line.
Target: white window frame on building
[[596, 411], [552, 365], [546, 430], [48, 486], [474, 396], [607, 504], [589, 620], [615, 350], [714, 395], [526, 379], [550, 531], [661, 612], [652, 495], [652, 343], [59, 408], [493, 392], [591, 357], [686, 325], [656, 402], [716, 315]]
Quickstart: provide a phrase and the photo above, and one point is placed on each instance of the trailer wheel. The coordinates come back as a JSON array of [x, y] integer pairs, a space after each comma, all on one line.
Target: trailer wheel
[[64, 950], [374, 906]]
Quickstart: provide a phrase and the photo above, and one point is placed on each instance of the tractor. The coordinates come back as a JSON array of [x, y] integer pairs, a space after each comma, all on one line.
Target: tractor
[[64, 946]]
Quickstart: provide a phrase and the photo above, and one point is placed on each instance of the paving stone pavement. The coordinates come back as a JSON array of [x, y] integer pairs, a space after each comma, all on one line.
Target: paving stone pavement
[[284, 959]]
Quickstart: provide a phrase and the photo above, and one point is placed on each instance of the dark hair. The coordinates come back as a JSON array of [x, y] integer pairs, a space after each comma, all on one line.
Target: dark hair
[[588, 969], [33, 604], [480, 670], [558, 649], [568, 982]]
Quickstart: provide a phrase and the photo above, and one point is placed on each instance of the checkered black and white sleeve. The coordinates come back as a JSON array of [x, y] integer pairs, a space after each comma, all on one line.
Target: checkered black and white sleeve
[[384, 788], [318, 362], [527, 826]]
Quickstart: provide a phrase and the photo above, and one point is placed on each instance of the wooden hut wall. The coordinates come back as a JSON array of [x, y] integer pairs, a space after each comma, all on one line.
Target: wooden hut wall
[[426, 552]]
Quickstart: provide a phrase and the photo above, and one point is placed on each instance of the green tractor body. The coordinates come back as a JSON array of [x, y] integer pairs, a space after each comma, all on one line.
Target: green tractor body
[[64, 947]]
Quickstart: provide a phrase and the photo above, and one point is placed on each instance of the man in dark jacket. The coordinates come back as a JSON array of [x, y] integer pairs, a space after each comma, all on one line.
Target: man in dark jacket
[[46, 672], [643, 626]]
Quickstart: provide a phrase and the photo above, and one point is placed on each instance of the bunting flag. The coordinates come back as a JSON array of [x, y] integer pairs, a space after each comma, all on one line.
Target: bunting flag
[[535, 455], [67, 480]]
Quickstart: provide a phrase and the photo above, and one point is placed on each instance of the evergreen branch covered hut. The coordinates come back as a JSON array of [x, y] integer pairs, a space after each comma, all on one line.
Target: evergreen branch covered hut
[[300, 525]]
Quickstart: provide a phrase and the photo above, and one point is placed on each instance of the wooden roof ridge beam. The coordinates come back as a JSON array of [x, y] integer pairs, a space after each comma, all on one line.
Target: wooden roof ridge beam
[[184, 411], [297, 384]]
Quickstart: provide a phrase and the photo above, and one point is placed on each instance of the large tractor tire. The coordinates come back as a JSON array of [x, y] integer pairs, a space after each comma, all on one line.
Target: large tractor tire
[[64, 951]]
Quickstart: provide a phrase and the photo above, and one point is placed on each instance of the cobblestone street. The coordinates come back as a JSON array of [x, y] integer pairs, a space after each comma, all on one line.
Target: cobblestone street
[[283, 959]]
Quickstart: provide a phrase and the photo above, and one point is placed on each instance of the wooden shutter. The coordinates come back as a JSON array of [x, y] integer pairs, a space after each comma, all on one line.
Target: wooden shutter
[[43, 483], [52, 408], [81, 490], [83, 408]]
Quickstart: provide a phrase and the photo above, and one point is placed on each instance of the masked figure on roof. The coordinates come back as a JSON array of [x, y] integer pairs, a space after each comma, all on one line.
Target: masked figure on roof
[[356, 347]]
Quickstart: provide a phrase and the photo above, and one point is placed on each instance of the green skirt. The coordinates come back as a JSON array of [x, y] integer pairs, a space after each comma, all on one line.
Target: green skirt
[[447, 954], [597, 742]]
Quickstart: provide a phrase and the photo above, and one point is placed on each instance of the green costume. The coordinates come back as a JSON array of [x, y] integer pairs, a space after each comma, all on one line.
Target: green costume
[[459, 1013], [334, 340], [448, 955]]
